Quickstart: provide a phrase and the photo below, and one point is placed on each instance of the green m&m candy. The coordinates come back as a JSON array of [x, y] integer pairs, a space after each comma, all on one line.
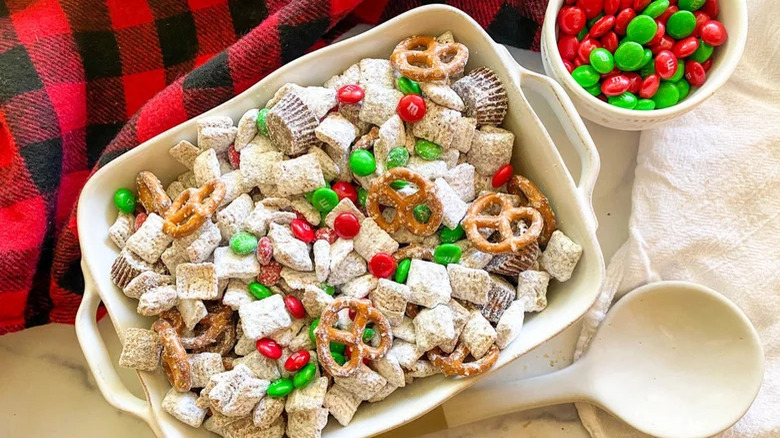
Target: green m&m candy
[[626, 100], [330, 290], [124, 200], [280, 388], [313, 327], [690, 5], [667, 95], [427, 150], [262, 128], [648, 59], [656, 8], [447, 253], [408, 86], [362, 162], [259, 291], [681, 24], [303, 377], [338, 347], [449, 235], [629, 56], [368, 333], [397, 157], [702, 53], [243, 243], [422, 213], [339, 358], [362, 193], [644, 105], [594, 90], [601, 60], [684, 87], [585, 75], [402, 271], [324, 199], [641, 29], [648, 69], [593, 20], [583, 33], [398, 185]]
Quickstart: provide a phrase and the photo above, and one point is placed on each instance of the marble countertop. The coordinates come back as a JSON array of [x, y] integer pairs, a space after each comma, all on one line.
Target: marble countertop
[[48, 390]]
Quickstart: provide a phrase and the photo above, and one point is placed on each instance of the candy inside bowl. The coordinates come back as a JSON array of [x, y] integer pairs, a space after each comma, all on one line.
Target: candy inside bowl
[[634, 64]]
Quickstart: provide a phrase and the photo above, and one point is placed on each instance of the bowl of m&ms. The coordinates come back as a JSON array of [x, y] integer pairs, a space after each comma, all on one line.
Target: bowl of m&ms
[[632, 64]]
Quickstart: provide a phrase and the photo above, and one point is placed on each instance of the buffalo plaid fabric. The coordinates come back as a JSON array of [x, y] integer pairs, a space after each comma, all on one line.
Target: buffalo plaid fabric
[[83, 81]]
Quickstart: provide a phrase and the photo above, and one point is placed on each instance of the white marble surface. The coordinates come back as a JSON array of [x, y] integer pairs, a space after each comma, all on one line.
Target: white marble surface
[[47, 390]]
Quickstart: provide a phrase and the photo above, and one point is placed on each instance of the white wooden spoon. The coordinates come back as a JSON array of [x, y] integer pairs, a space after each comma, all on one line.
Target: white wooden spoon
[[672, 359]]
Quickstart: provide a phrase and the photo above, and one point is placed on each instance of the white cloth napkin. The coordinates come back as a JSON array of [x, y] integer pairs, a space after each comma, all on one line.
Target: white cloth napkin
[[706, 208]]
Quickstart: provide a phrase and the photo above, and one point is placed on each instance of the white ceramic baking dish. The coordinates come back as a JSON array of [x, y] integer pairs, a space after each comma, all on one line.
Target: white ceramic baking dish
[[535, 156]]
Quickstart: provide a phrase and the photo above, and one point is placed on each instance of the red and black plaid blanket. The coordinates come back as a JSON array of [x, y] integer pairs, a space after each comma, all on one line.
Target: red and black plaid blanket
[[82, 81]]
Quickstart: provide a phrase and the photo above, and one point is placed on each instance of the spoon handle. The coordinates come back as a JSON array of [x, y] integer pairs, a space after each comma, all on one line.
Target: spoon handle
[[567, 385]]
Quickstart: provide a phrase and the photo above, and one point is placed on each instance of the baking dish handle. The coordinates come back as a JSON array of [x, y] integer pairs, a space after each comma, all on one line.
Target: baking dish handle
[[573, 126], [101, 365]]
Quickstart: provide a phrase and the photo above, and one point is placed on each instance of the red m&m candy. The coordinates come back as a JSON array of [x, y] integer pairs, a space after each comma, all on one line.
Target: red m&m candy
[[713, 33], [501, 176], [326, 233], [234, 157], [602, 26], [685, 47], [695, 73], [269, 348], [140, 219], [350, 93], [649, 86], [302, 230], [297, 360], [665, 64], [411, 108], [346, 225], [592, 8], [294, 306], [567, 46], [345, 190], [382, 265], [610, 41], [571, 20], [611, 7], [615, 85]]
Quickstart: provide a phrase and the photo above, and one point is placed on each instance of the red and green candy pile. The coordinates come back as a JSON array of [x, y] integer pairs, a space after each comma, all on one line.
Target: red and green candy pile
[[639, 54]]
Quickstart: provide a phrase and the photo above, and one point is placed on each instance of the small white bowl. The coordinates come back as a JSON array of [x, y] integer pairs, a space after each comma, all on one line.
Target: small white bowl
[[733, 15]]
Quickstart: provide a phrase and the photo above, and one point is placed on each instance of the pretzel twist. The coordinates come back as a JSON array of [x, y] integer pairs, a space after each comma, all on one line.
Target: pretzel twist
[[189, 211], [174, 356], [381, 191], [520, 185], [454, 364], [152, 194], [209, 329], [325, 333], [422, 58], [475, 220]]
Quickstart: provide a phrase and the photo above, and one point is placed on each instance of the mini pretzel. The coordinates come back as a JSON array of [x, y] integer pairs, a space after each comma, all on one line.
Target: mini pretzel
[[503, 223], [404, 205], [422, 58], [453, 364], [189, 211], [520, 185], [174, 356], [152, 194], [367, 141], [413, 251], [211, 327], [325, 333]]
